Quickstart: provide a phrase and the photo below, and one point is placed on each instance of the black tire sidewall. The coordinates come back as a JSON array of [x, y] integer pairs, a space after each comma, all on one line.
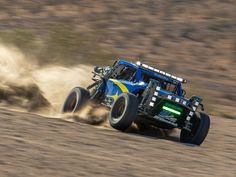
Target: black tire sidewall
[[81, 95], [129, 113], [201, 132]]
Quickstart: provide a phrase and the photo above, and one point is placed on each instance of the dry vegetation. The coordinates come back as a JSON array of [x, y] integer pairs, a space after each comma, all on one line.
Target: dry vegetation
[[194, 39]]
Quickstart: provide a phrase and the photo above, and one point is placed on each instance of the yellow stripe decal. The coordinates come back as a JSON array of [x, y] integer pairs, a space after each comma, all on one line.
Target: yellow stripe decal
[[114, 97], [120, 85]]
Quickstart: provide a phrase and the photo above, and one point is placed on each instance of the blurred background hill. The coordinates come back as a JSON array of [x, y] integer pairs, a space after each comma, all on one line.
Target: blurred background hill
[[189, 38]]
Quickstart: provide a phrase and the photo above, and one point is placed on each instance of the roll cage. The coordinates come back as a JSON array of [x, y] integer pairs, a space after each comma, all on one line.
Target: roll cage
[[124, 70]]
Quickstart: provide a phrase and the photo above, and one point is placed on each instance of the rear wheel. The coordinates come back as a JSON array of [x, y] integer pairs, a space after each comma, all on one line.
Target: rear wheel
[[201, 125], [75, 101], [123, 111]]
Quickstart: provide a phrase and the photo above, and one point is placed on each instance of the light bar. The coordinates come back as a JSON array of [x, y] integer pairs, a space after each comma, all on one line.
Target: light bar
[[161, 72], [171, 110]]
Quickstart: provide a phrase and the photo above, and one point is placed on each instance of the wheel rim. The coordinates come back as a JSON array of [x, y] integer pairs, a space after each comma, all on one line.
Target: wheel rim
[[72, 101], [120, 108]]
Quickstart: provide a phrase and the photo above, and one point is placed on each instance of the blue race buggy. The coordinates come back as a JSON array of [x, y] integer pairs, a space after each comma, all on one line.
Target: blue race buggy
[[139, 93]]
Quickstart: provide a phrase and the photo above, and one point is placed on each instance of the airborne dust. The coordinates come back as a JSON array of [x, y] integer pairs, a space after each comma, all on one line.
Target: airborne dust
[[27, 86]]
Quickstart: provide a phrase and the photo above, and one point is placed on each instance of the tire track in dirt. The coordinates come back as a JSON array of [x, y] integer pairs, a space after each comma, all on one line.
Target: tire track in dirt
[[33, 145]]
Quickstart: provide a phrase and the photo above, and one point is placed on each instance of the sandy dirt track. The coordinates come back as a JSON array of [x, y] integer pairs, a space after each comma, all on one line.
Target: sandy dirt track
[[32, 145]]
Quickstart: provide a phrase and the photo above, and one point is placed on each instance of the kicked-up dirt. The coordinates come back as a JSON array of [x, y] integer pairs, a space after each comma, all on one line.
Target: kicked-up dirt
[[32, 145]]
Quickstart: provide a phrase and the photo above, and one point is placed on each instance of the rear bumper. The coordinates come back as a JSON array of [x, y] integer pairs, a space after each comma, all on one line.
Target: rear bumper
[[168, 109]]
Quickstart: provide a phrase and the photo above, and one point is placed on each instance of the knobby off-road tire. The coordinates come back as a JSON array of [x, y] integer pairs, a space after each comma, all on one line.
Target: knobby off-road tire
[[201, 125], [76, 99], [123, 111]]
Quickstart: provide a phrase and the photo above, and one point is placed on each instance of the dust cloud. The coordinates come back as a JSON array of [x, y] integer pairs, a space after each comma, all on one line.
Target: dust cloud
[[26, 86]]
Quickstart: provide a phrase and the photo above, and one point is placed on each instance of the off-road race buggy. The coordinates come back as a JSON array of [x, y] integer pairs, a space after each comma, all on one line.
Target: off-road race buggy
[[137, 92]]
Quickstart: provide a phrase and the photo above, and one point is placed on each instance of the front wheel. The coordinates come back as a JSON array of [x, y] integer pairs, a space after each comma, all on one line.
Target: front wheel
[[123, 111], [201, 125], [76, 99]]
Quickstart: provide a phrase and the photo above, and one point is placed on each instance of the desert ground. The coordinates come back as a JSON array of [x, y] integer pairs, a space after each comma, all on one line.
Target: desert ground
[[33, 145]]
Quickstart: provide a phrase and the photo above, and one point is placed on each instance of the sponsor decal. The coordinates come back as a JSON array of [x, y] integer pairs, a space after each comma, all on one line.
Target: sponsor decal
[[166, 117]]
